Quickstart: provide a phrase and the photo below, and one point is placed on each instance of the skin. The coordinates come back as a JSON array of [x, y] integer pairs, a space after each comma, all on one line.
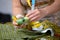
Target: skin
[[17, 8], [37, 14]]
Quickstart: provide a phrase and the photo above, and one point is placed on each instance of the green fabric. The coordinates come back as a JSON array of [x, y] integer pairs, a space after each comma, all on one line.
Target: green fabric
[[8, 32]]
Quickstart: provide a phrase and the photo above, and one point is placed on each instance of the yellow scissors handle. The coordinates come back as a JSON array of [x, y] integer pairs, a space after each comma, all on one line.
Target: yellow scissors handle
[[29, 3]]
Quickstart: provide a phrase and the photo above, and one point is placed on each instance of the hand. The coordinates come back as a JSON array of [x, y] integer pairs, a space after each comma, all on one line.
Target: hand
[[35, 15], [15, 23], [18, 26]]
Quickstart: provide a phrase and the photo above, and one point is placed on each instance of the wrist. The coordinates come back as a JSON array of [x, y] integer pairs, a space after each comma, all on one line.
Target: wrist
[[44, 11]]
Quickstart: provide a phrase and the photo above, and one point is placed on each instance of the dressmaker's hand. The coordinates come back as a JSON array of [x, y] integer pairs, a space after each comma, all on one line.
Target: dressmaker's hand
[[16, 24], [35, 15]]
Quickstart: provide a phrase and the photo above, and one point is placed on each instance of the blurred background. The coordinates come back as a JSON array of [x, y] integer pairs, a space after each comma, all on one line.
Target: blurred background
[[5, 11]]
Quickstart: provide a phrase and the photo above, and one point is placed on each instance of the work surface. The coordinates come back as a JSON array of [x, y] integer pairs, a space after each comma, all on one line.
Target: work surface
[[8, 32]]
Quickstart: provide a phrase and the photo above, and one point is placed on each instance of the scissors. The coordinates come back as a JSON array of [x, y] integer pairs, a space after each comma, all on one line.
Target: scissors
[[33, 4]]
